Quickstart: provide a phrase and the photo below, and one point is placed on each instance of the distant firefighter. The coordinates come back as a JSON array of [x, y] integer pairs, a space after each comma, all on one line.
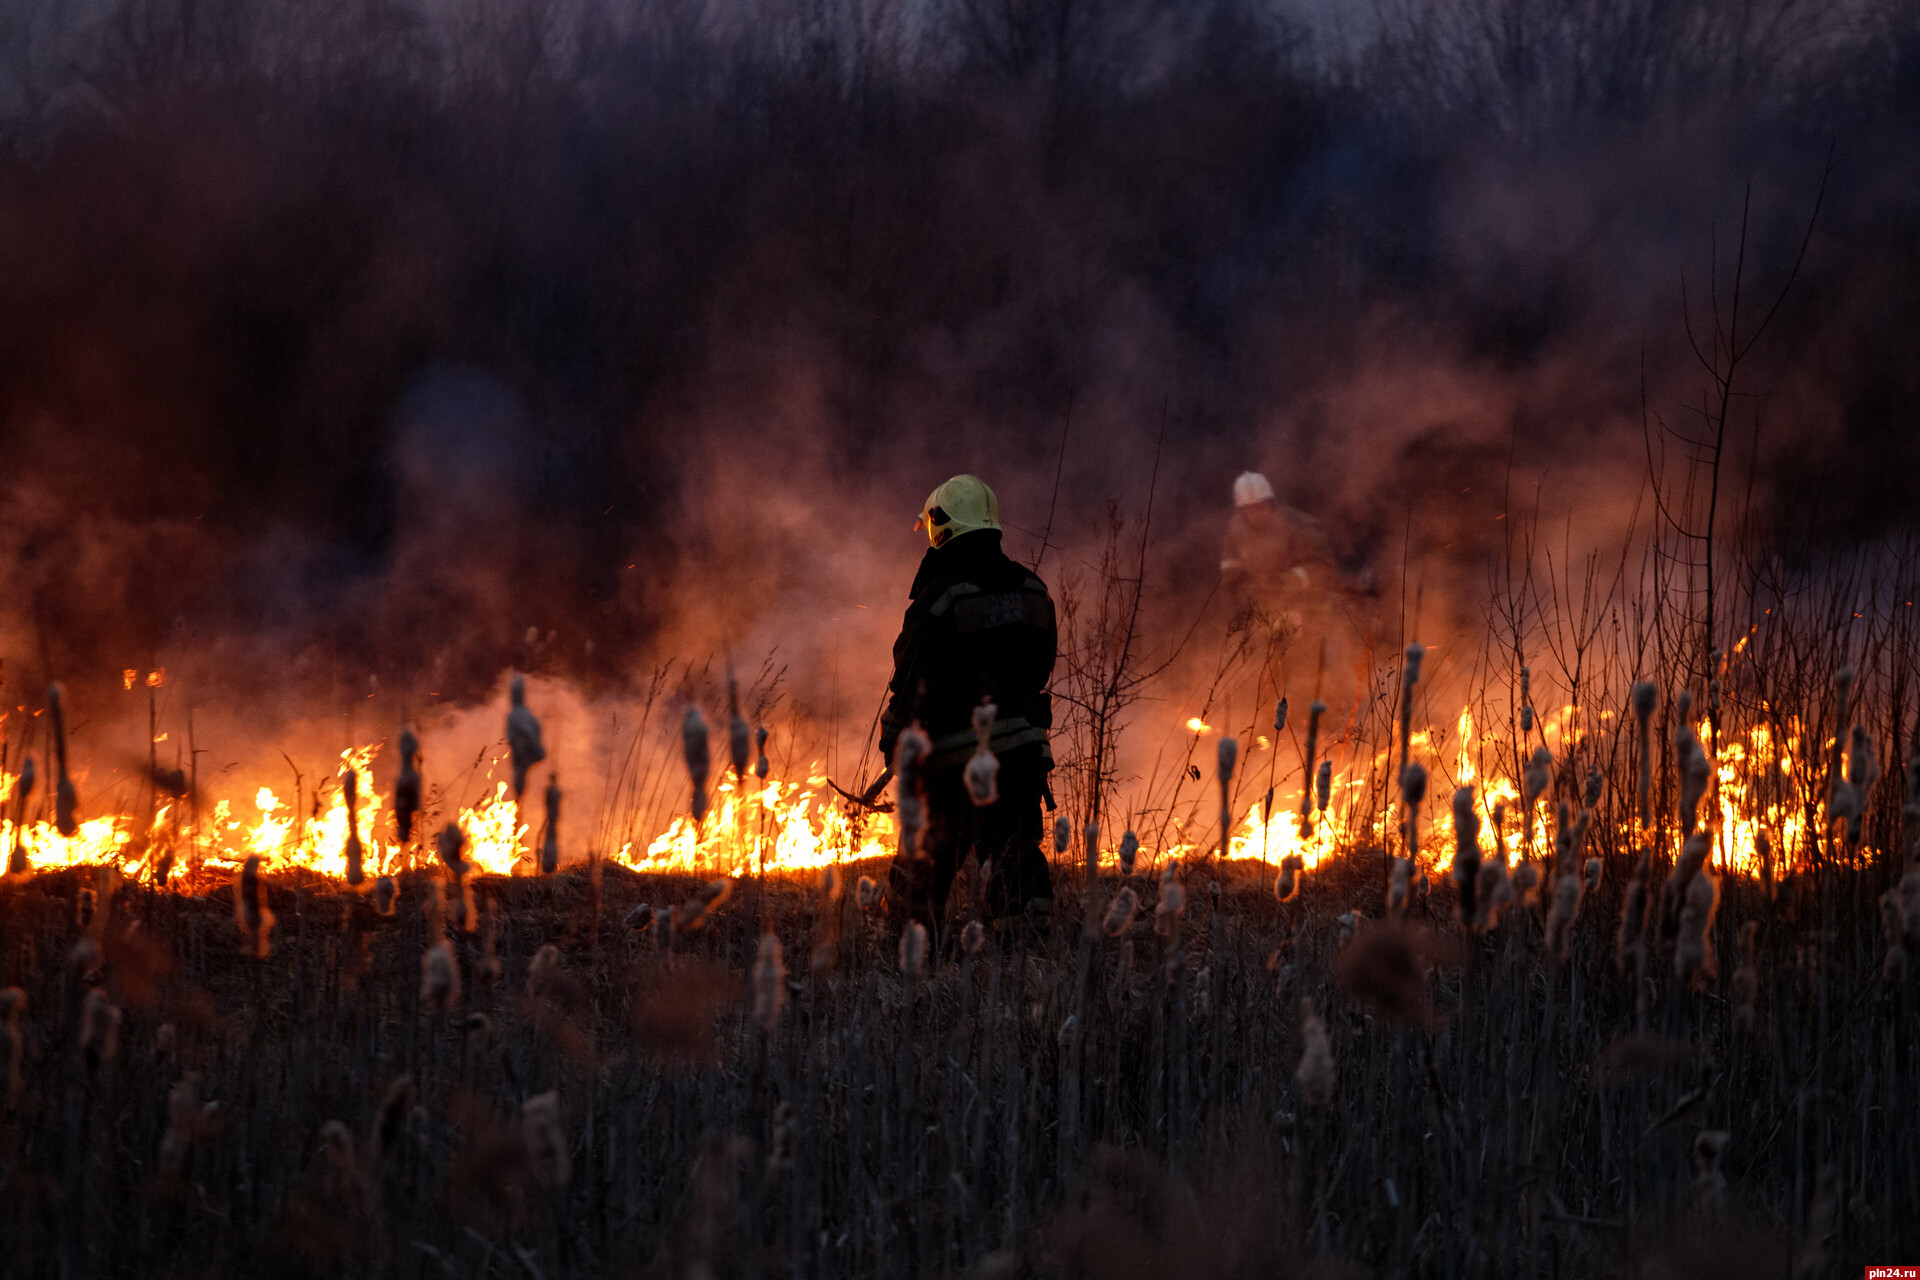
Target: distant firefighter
[[1278, 569], [1275, 559], [980, 629]]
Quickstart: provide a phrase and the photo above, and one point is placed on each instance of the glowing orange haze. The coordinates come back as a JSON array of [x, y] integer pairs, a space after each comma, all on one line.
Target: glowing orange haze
[[778, 826]]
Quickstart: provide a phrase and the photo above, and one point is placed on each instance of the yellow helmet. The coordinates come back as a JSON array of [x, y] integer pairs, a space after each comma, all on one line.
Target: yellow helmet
[[959, 506]]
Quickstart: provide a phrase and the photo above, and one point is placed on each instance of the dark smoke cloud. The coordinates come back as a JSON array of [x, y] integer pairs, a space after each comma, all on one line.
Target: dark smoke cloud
[[413, 343]]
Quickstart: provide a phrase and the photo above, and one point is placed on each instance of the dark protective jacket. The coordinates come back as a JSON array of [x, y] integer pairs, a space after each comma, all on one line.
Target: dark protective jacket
[[979, 626]]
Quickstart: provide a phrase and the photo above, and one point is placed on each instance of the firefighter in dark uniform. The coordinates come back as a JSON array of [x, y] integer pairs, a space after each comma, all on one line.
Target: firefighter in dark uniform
[[980, 628]]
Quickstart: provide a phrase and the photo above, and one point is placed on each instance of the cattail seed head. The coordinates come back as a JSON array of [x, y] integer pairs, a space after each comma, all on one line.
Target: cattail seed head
[[452, 848], [909, 755], [1172, 905], [913, 949], [1491, 891], [1323, 785], [1229, 753], [1280, 716], [479, 1028], [550, 842], [1120, 912], [1399, 884], [1590, 796], [867, 893], [1287, 885], [1537, 776], [1062, 836], [769, 984], [542, 971], [1129, 851], [1525, 881], [439, 976], [973, 937], [546, 1141], [699, 910], [832, 881], [1562, 915], [1644, 695], [99, 1028], [1466, 851], [406, 786], [385, 890], [693, 738], [1413, 783], [982, 778], [1593, 874], [1314, 1075], [761, 766], [1709, 1182], [1693, 956]]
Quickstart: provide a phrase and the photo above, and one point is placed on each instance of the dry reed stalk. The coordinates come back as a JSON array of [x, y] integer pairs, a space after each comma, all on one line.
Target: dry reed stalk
[[523, 735], [1746, 981]]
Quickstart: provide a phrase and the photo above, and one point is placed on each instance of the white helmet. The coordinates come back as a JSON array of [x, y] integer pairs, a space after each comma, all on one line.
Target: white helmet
[[1250, 488]]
